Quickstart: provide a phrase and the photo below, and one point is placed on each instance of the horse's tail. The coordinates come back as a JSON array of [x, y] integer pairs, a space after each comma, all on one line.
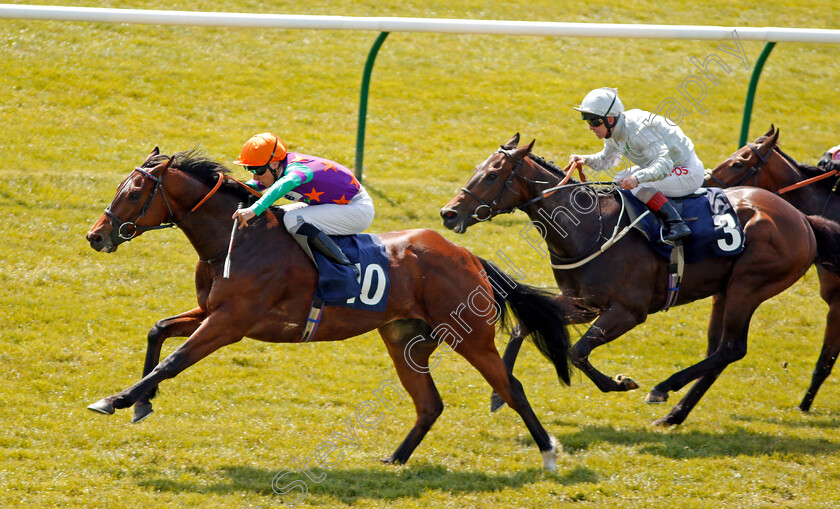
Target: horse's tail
[[827, 233], [538, 312]]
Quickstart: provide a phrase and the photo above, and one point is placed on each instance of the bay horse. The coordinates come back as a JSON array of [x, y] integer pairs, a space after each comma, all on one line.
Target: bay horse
[[628, 281], [813, 191], [271, 285]]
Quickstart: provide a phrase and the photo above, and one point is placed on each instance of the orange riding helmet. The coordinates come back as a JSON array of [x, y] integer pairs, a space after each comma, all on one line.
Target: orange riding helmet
[[261, 149]]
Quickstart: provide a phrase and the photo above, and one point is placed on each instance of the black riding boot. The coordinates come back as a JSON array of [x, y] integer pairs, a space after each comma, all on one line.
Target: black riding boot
[[318, 240], [677, 229]]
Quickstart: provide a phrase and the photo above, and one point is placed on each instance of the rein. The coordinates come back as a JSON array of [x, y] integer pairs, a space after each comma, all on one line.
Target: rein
[[806, 182], [572, 262], [616, 236], [753, 170], [127, 230]]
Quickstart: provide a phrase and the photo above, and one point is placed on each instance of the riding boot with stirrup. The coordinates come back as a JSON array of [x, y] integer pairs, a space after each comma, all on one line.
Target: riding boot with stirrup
[[311, 237], [665, 210]]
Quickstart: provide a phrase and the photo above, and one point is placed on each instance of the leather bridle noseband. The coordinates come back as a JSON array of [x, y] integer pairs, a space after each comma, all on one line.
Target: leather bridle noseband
[[127, 230], [507, 186], [751, 171], [539, 196]]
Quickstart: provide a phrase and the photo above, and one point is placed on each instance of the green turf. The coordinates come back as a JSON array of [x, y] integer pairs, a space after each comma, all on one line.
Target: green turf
[[83, 103]]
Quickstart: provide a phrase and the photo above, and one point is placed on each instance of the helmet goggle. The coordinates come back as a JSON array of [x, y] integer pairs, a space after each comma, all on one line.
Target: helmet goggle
[[592, 119]]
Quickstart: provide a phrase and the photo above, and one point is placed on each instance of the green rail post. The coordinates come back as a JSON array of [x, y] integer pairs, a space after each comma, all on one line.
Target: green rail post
[[360, 134], [759, 64]]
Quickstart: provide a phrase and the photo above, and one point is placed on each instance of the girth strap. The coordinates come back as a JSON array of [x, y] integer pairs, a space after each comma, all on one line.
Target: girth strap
[[675, 273], [313, 320]]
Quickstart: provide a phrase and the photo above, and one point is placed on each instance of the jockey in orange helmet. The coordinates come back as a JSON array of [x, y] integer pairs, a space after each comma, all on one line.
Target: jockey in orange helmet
[[330, 199]]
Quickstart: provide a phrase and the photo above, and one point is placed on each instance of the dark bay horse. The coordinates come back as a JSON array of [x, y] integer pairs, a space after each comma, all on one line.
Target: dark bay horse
[[808, 188], [271, 285], [628, 281]]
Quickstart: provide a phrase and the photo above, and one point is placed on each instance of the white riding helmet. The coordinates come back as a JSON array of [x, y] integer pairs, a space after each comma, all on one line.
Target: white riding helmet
[[601, 102]]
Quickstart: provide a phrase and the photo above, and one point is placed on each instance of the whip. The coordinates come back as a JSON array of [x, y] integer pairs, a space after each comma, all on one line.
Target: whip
[[226, 273]]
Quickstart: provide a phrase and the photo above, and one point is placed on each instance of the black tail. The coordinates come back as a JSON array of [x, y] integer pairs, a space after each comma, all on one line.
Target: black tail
[[538, 312], [828, 242]]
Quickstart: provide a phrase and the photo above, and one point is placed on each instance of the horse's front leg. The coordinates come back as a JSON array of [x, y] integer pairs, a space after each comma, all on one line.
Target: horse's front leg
[[612, 323], [727, 343], [681, 410], [216, 331], [182, 325]]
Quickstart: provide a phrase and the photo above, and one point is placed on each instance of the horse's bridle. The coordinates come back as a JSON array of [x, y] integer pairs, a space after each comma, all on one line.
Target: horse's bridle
[[489, 206], [127, 230], [751, 171], [539, 196]]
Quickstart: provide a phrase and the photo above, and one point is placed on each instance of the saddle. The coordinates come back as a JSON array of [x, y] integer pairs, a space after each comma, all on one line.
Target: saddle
[[338, 284], [715, 227]]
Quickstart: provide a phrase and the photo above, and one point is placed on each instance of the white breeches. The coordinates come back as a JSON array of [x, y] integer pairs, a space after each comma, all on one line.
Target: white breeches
[[331, 218], [682, 181]]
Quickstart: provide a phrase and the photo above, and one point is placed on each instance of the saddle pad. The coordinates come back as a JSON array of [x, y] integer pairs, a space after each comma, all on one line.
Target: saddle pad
[[337, 284], [715, 227]]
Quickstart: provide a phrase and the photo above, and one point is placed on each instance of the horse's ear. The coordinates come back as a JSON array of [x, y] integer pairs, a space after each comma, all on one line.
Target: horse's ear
[[158, 170], [152, 154], [522, 152], [773, 139], [531, 145], [769, 131], [513, 142]]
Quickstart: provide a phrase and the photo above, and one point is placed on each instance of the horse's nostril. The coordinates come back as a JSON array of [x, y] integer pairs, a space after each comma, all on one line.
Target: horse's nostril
[[447, 214]]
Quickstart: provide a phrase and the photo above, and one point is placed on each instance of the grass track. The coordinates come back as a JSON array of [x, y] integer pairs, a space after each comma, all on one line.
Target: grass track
[[84, 103]]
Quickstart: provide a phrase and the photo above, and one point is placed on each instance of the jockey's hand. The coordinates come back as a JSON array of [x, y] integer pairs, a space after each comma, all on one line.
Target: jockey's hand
[[244, 215], [629, 182], [575, 157]]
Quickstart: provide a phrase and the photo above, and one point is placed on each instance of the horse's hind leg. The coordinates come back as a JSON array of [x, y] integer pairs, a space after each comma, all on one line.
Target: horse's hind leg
[[182, 325], [830, 292], [410, 345], [517, 336], [482, 354]]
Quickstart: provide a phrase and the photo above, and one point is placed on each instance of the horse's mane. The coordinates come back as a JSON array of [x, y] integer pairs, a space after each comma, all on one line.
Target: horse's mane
[[196, 163]]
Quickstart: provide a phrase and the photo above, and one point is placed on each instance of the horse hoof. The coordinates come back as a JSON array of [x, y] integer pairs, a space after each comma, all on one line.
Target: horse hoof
[[141, 412], [549, 457], [663, 423], [627, 383], [103, 406], [496, 402], [656, 396]]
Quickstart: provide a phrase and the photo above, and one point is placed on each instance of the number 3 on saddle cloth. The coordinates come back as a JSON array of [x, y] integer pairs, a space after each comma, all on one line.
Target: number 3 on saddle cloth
[[715, 231], [338, 286], [715, 228]]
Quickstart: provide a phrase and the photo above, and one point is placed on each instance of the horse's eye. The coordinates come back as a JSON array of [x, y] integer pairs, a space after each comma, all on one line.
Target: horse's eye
[[738, 165], [134, 195], [492, 176]]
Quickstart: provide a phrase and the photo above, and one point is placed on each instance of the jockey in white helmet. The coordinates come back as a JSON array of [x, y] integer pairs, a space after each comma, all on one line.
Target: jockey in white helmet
[[664, 158]]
